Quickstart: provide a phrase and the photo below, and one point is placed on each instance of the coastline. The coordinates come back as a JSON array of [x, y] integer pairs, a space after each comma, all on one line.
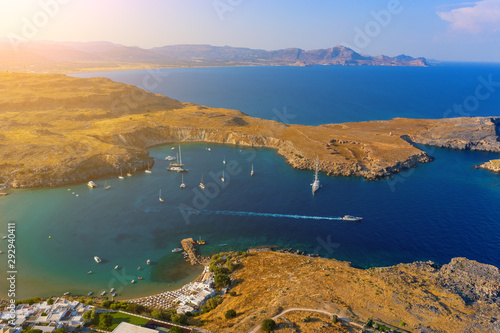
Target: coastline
[[93, 131]]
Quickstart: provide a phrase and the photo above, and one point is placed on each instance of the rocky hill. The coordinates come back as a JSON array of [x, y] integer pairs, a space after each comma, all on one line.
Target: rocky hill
[[462, 296], [56, 130], [63, 57]]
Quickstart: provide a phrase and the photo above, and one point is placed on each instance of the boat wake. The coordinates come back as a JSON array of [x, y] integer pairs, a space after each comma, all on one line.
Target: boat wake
[[289, 216]]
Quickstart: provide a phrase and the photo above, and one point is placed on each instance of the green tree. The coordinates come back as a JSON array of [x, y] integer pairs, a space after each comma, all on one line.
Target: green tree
[[105, 321], [86, 315], [60, 330], [267, 325], [230, 314], [94, 318], [106, 304], [179, 318], [115, 306], [232, 293], [221, 280], [50, 301], [175, 329]]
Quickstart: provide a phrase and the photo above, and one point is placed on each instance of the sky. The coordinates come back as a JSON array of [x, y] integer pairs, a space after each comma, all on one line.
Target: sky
[[438, 29]]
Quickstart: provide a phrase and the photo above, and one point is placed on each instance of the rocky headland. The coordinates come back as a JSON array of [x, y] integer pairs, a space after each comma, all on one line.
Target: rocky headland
[[493, 165], [57, 130], [461, 296]]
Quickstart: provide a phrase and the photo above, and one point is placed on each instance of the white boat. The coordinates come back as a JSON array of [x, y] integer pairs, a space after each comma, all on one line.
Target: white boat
[[97, 259], [315, 185], [89, 272], [133, 281], [112, 290], [148, 262], [170, 158], [91, 184], [147, 170], [177, 249], [209, 149], [113, 294], [103, 293], [251, 172], [4, 237], [1, 252], [66, 293], [224, 160], [106, 186], [178, 167], [116, 267], [160, 198], [222, 178], [121, 175], [129, 174], [351, 218], [202, 185], [182, 182], [173, 148]]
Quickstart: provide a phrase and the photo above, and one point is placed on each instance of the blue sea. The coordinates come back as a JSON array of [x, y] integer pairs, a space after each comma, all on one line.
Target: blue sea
[[436, 211]]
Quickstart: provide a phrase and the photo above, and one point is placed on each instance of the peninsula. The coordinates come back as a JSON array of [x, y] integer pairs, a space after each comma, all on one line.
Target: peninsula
[[57, 130]]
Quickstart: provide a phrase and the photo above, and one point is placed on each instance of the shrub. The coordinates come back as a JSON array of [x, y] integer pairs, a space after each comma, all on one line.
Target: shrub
[[175, 329], [267, 325], [335, 319], [232, 293], [230, 314], [50, 301], [179, 318], [106, 304]]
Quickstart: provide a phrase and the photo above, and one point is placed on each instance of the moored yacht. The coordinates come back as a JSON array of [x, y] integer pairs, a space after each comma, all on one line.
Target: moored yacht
[[182, 182], [315, 185], [97, 259], [202, 185], [91, 184]]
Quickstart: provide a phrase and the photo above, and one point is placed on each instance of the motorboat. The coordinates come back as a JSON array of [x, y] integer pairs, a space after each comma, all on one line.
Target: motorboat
[[97, 259]]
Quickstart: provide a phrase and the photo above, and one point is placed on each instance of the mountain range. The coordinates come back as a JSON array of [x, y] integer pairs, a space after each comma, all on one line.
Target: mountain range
[[41, 56]]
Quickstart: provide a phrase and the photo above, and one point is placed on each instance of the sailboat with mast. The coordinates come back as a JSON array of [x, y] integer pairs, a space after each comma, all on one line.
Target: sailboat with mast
[[222, 178], [106, 186], [177, 167], [147, 170], [251, 172], [315, 185], [160, 198], [202, 185], [121, 175], [182, 182]]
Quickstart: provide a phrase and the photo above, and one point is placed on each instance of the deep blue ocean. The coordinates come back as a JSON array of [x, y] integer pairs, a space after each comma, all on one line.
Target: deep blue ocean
[[436, 211]]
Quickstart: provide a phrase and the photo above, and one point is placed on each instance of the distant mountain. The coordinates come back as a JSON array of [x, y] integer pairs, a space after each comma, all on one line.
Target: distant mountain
[[78, 56]]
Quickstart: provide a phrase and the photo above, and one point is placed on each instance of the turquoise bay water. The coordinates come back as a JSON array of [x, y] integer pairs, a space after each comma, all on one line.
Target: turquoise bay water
[[434, 212]]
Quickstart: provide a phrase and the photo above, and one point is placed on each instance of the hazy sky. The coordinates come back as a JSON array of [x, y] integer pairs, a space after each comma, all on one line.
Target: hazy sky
[[440, 29]]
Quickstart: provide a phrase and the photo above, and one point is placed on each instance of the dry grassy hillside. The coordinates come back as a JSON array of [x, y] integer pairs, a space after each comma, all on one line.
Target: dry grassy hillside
[[463, 296], [56, 129]]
